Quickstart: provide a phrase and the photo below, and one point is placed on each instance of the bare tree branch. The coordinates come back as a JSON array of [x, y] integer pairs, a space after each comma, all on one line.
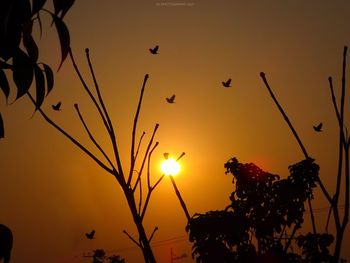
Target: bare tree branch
[[67, 135], [149, 164], [110, 127], [86, 88], [132, 239], [92, 137], [154, 231], [132, 153], [138, 146], [150, 188], [145, 156], [262, 74]]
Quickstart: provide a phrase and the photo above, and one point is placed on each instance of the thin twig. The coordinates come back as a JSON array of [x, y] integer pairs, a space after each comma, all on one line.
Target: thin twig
[[119, 172], [132, 239], [110, 127], [312, 216], [178, 158], [330, 80], [92, 137], [182, 202], [328, 217], [132, 153], [150, 188], [342, 143], [86, 88], [145, 156], [149, 165], [291, 237], [159, 180], [154, 231], [262, 74], [347, 185], [340, 228], [138, 146]]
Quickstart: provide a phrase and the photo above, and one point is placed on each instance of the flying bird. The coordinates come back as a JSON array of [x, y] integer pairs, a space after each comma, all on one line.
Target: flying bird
[[227, 83], [57, 107], [90, 235], [171, 99], [154, 50], [318, 128], [166, 156]]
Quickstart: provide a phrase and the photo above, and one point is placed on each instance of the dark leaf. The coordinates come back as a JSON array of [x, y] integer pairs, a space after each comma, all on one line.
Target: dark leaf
[[49, 78], [4, 65], [62, 6], [29, 42], [4, 85], [67, 5], [37, 5], [22, 72], [13, 15], [40, 26], [63, 35], [10, 30], [40, 86], [31, 48], [22, 11], [2, 130], [57, 4]]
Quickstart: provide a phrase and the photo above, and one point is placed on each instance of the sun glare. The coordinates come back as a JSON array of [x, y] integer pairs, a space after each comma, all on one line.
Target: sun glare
[[170, 167]]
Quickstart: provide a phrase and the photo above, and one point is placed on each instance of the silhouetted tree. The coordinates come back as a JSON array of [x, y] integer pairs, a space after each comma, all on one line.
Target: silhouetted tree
[[19, 52], [253, 228]]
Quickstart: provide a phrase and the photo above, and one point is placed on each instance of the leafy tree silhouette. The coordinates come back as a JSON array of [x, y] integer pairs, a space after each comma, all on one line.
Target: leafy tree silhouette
[[253, 228], [19, 52], [99, 256]]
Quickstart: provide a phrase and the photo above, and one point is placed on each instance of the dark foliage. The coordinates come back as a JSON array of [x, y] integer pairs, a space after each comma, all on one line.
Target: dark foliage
[[6, 242], [253, 228], [99, 256], [19, 52]]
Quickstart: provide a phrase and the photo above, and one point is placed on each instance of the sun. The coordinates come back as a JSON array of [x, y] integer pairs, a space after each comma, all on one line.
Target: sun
[[170, 167]]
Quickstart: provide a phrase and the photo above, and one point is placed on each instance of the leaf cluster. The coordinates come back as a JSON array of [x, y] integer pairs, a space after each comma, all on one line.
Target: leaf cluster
[[253, 228], [99, 256], [19, 52]]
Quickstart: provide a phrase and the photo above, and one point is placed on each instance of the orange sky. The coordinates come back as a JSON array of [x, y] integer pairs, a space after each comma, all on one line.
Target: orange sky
[[52, 193]]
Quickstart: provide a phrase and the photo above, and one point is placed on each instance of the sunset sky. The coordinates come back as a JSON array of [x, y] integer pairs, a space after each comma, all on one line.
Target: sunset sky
[[52, 193]]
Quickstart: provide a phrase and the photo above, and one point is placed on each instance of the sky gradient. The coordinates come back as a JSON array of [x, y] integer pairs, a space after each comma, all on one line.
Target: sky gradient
[[52, 193]]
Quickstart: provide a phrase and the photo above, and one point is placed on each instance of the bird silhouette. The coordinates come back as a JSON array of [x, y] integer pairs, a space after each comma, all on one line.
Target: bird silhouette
[[226, 83], [318, 128], [90, 235], [154, 50], [171, 99], [57, 107]]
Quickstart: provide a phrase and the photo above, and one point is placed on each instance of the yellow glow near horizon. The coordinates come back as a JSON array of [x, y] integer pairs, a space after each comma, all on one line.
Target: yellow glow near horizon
[[170, 167]]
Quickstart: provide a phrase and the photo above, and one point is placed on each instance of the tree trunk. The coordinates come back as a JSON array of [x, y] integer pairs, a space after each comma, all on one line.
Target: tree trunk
[[143, 240]]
